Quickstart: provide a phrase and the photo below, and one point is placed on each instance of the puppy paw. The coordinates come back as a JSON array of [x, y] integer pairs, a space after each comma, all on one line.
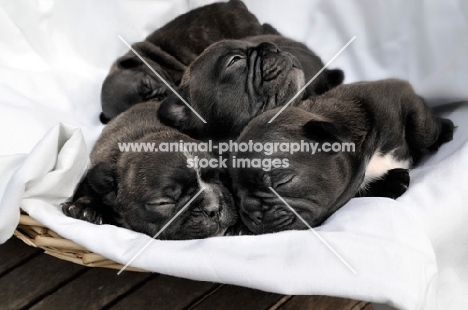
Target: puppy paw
[[391, 185], [396, 183], [446, 134], [82, 209], [335, 77]]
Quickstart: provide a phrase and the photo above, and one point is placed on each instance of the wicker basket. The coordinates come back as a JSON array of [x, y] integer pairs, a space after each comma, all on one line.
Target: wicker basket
[[37, 235]]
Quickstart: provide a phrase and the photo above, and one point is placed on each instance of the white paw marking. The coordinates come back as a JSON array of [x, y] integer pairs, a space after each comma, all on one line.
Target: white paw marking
[[380, 164], [209, 191]]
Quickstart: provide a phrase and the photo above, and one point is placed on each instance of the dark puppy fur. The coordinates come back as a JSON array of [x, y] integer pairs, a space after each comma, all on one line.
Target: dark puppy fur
[[169, 50], [235, 80], [386, 121], [142, 191]]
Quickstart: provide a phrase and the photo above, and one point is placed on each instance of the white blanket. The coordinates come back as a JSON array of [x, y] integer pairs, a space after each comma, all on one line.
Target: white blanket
[[410, 253]]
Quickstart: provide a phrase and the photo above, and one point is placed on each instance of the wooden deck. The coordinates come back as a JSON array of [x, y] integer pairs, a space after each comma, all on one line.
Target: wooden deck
[[30, 279]]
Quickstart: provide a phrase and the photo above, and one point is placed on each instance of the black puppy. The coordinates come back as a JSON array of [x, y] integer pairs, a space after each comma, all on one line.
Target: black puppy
[[142, 191], [385, 121], [233, 81], [169, 50]]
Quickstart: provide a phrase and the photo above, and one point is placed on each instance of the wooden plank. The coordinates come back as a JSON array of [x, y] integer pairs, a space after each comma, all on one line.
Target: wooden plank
[[37, 277], [165, 292], [363, 305], [235, 297], [280, 302], [320, 303], [368, 306], [14, 253], [92, 290]]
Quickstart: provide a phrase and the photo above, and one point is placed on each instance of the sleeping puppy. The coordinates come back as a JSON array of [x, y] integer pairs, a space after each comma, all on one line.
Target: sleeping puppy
[[169, 50], [233, 81], [142, 191], [386, 121]]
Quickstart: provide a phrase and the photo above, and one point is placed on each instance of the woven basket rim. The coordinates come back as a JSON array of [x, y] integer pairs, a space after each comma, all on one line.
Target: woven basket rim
[[37, 235]]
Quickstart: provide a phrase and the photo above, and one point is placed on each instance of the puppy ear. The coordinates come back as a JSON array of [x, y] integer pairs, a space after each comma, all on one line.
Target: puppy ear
[[103, 180], [326, 132], [173, 112], [335, 77], [269, 29], [129, 62]]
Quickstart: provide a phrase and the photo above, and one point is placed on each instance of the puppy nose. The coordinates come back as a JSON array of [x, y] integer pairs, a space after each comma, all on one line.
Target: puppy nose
[[267, 47], [211, 210], [210, 213], [256, 216], [211, 206]]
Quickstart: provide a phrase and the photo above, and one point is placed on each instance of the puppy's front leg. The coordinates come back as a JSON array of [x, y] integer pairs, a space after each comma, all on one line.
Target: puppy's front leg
[[91, 209], [93, 199]]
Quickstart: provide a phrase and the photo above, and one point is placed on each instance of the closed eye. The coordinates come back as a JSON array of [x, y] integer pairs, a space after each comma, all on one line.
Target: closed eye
[[148, 92], [283, 181], [234, 59], [160, 204]]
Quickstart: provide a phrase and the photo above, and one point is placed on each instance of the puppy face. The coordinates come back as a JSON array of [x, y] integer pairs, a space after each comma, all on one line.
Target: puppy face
[[151, 187], [313, 185], [231, 83], [132, 82]]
